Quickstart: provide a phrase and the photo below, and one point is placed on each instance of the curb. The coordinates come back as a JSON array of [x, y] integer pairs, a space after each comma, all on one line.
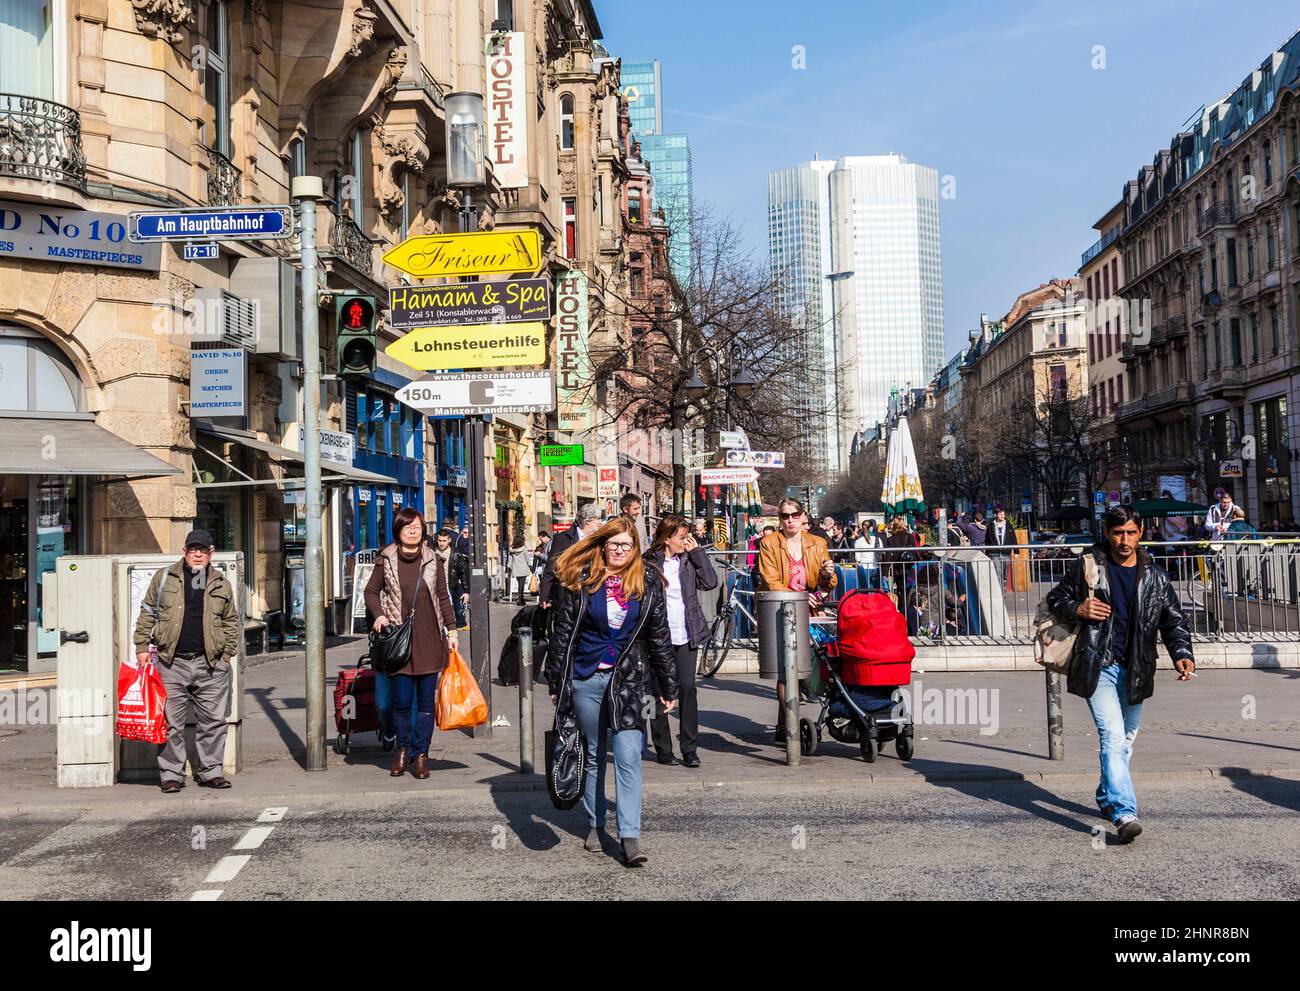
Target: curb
[[535, 783]]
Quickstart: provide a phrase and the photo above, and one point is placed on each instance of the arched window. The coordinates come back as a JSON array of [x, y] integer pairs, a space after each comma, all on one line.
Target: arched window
[[35, 377], [566, 122]]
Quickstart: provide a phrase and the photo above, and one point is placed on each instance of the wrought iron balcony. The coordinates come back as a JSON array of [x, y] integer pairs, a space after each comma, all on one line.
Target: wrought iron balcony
[[223, 180], [351, 244], [1217, 215], [41, 140], [428, 85]]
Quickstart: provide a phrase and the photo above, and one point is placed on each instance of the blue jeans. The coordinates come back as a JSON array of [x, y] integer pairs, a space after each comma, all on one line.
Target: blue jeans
[[384, 705], [1117, 725], [418, 692], [590, 700]]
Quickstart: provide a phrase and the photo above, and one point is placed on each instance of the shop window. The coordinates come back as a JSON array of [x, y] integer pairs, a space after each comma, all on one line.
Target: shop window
[[36, 377], [363, 425]]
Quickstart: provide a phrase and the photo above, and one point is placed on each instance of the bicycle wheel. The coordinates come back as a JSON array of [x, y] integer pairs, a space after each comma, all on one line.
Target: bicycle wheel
[[715, 651]]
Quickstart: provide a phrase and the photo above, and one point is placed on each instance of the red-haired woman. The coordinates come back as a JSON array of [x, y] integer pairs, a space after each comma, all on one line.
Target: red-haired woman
[[410, 575], [610, 632]]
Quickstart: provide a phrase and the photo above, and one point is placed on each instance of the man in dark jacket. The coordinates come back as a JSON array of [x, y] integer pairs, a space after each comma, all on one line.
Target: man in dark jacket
[[1114, 662], [456, 567], [587, 523]]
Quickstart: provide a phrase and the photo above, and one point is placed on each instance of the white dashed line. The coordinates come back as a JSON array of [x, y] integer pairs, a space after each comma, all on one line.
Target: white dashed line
[[206, 895], [227, 868], [254, 838]]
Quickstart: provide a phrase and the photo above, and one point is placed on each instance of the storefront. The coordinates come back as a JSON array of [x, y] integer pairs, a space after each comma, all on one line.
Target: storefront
[[451, 506], [53, 460]]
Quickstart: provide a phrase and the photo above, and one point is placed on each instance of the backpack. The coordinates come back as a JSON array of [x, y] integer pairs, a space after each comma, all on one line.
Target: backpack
[[1054, 641]]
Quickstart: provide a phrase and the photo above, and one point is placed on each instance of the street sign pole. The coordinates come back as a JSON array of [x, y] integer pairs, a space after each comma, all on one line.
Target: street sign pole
[[479, 633], [307, 190]]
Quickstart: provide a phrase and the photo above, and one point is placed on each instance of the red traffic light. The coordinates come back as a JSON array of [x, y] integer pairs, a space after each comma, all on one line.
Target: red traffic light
[[357, 314]]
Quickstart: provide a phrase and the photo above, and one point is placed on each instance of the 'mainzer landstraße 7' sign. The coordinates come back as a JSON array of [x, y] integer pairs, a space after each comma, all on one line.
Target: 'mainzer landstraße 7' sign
[[506, 301]]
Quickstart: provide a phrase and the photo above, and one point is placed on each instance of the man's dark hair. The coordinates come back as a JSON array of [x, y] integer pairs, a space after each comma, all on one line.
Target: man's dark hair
[[447, 532], [1117, 516], [626, 500]]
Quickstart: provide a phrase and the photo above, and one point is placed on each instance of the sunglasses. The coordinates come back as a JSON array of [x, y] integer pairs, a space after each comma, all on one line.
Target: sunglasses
[[790, 516]]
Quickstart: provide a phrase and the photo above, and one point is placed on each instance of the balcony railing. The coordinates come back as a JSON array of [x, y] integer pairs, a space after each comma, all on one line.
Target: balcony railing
[[223, 180], [41, 140], [1217, 215], [1104, 242], [428, 84], [351, 244]]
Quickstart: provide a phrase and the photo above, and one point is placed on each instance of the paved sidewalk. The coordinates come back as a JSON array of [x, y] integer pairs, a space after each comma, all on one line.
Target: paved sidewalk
[[1225, 722]]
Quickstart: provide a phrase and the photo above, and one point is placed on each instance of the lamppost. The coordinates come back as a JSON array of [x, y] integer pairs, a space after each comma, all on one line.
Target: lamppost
[[737, 381], [466, 171]]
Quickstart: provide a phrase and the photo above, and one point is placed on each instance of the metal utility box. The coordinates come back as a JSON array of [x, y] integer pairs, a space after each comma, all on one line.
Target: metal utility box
[[99, 596], [273, 285]]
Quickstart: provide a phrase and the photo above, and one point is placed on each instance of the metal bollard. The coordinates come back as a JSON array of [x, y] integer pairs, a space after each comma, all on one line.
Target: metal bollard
[[790, 673], [1055, 717], [526, 763]]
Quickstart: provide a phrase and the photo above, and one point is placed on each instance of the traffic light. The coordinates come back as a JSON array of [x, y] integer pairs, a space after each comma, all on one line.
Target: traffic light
[[355, 319]]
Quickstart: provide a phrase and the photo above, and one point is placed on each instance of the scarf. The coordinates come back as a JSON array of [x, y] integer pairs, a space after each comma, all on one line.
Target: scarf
[[614, 589]]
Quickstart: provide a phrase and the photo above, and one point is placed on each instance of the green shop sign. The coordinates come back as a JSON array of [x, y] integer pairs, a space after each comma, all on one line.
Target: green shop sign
[[558, 455]]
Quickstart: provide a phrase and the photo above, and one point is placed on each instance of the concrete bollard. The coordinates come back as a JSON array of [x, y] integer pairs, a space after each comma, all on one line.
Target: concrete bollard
[[1055, 717], [790, 674], [526, 762]]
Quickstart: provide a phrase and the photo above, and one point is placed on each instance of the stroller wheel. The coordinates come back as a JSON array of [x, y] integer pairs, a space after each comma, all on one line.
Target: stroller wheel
[[807, 737], [904, 745], [341, 745], [868, 747]]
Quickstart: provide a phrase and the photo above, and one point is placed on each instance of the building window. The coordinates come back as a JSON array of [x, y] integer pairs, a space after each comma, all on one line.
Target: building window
[[570, 227], [355, 183], [1218, 346], [1254, 337], [298, 157], [634, 205], [27, 51], [1119, 389], [1234, 337], [1268, 162], [1275, 329], [1232, 262], [566, 122], [1056, 375], [1205, 358], [505, 15], [1250, 258], [1271, 242], [216, 76], [406, 204], [1214, 269]]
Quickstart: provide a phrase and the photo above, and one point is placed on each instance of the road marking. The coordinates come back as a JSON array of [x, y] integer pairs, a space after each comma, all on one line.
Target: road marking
[[206, 895], [254, 838], [227, 868], [273, 814]]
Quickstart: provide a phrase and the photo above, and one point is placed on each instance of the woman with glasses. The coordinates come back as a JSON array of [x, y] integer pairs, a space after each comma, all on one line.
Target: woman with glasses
[[687, 571], [609, 645], [797, 560]]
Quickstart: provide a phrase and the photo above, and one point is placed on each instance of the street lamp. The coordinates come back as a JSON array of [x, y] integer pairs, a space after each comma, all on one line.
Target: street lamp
[[466, 166]]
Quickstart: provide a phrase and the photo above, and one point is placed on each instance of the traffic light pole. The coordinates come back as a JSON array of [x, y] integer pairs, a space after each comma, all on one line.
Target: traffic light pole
[[480, 648], [307, 190]]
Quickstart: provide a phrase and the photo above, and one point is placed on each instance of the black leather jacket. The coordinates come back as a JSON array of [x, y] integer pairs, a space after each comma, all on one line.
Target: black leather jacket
[[1156, 610], [650, 649], [697, 574]]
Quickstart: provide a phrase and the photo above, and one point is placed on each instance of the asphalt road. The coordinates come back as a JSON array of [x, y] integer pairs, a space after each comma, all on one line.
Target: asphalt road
[[1209, 838]]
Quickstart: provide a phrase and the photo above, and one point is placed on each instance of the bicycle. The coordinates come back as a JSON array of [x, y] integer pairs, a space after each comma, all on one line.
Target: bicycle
[[715, 650]]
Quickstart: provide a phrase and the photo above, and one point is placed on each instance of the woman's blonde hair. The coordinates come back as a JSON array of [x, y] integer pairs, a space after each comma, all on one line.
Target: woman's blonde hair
[[588, 555]]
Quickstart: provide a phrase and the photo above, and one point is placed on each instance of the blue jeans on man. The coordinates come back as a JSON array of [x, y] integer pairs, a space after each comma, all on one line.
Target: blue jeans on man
[[591, 703], [1117, 725], [416, 692]]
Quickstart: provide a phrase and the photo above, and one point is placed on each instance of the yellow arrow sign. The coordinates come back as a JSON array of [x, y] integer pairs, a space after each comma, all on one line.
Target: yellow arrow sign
[[484, 253], [483, 345]]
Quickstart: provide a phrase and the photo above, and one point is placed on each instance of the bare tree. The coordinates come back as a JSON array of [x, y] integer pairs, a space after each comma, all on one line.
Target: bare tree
[[1054, 442]]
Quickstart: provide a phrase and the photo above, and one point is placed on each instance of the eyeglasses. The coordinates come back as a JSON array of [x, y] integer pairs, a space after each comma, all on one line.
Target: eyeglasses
[[619, 547], [790, 516], [196, 549]]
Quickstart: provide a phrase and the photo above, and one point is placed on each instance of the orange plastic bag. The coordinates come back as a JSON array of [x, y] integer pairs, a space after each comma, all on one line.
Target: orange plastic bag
[[140, 701], [460, 704]]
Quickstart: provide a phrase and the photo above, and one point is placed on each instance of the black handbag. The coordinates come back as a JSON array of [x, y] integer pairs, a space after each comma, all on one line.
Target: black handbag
[[390, 649], [566, 748]]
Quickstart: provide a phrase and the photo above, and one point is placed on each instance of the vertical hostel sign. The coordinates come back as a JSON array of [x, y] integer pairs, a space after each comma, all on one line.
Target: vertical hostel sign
[[507, 117], [572, 362]]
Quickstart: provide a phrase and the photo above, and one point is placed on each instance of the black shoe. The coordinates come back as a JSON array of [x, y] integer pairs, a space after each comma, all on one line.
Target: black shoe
[[172, 787], [217, 782], [632, 855], [1129, 829], [666, 759], [690, 760], [780, 733]]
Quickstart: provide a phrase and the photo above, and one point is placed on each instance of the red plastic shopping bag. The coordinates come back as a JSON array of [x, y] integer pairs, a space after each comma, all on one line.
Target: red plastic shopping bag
[[460, 704], [141, 697]]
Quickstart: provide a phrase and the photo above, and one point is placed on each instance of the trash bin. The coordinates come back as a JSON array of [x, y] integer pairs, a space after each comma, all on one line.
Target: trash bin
[[770, 633]]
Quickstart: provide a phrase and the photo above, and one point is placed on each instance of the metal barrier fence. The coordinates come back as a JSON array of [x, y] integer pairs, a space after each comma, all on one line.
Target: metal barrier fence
[[1231, 590]]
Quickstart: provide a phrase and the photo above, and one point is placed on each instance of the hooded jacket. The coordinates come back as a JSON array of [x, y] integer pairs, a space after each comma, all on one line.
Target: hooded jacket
[[1156, 610]]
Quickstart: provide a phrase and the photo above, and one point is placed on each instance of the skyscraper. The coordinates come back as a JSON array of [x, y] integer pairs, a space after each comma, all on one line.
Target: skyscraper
[[668, 155], [870, 225]]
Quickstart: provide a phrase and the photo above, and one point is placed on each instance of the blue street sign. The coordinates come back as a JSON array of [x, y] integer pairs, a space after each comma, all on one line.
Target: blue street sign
[[236, 223], [200, 252]]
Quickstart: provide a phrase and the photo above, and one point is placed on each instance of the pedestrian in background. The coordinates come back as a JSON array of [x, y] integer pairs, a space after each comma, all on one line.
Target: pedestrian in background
[[456, 566], [191, 617], [520, 569], [865, 558], [630, 506], [687, 571], [409, 575], [1114, 664], [610, 646], [585, 524]]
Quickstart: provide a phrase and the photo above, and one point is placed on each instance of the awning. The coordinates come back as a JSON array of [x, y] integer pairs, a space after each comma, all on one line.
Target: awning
[[332, 472], [55, 446]]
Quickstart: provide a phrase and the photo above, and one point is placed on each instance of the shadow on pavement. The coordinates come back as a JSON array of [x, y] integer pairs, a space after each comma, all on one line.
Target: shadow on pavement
[[1282, 792], [1237, 739], [538, 824], [986, 746], [292, 741], [1025, 796]]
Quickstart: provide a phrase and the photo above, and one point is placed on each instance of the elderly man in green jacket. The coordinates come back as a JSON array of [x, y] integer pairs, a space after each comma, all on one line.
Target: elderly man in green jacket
[[191, 616]]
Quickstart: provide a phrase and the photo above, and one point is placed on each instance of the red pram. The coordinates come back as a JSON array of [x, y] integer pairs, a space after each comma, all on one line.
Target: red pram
[[862, 669]]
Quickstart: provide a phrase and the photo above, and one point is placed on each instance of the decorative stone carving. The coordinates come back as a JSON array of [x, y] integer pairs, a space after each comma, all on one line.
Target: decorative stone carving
[[395, 66], [163, 18], [363, 29]]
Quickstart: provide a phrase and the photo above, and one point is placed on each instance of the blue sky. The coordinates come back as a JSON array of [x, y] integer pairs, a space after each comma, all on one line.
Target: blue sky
[[1001, 96]]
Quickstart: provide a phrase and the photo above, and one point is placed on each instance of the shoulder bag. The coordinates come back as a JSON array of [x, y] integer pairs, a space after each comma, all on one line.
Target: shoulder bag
[[390, 649], [1054, 641], [566, 745]]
